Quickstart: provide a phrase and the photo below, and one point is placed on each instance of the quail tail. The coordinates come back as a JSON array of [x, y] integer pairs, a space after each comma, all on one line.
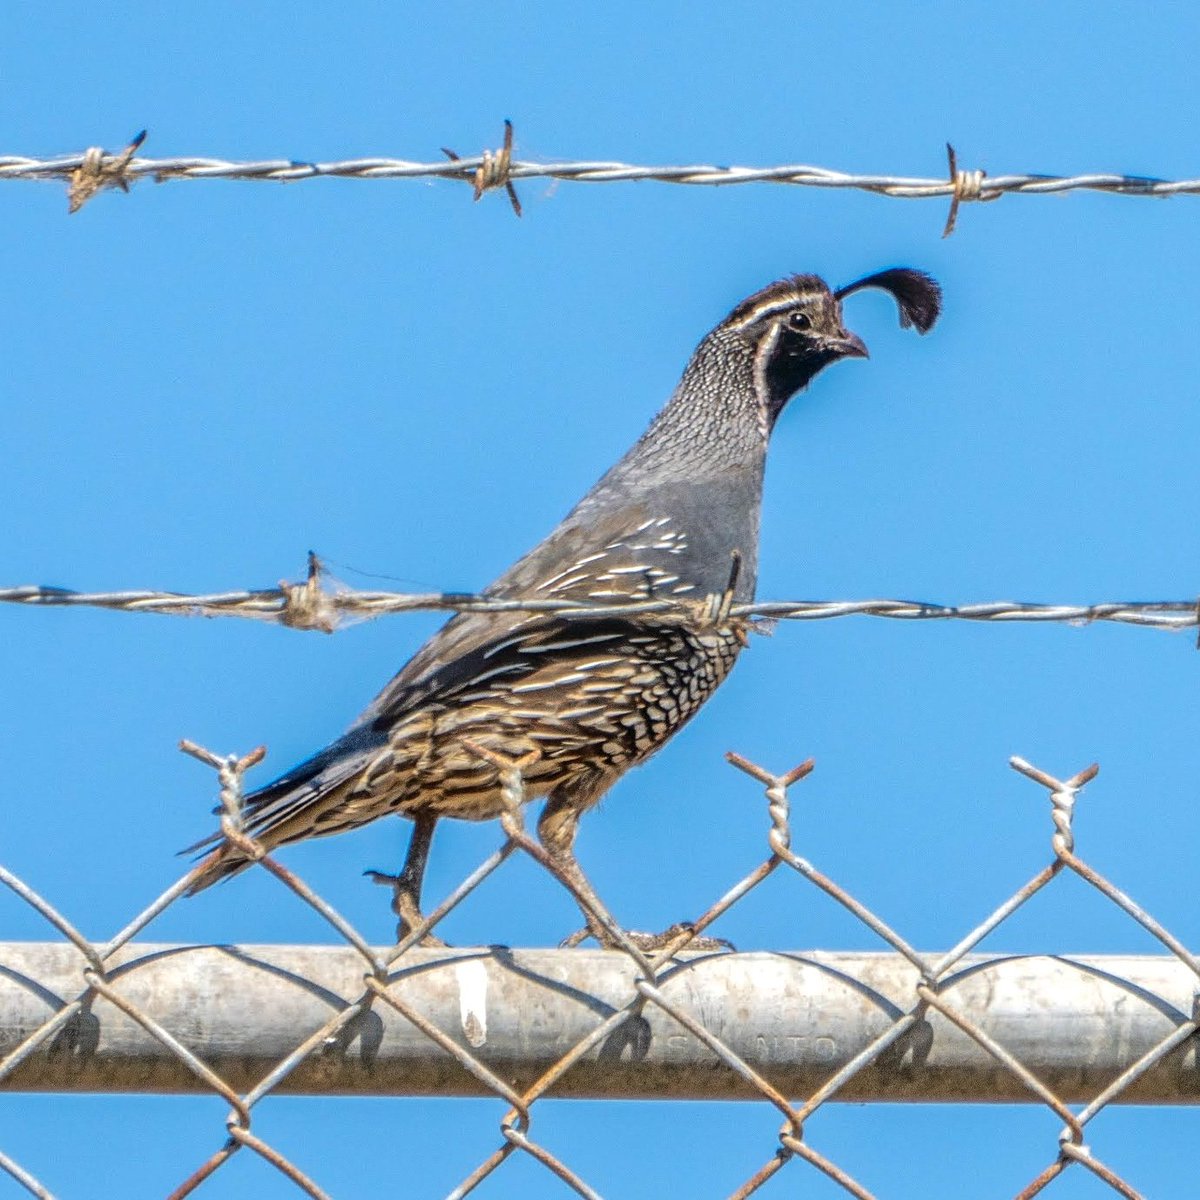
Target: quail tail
[[288, 809]]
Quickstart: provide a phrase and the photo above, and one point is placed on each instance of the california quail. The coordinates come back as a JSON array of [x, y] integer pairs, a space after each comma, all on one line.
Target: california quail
[[676, 518]]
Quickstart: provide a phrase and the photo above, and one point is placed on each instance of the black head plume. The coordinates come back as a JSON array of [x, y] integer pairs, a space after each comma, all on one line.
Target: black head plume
[[917, 295]]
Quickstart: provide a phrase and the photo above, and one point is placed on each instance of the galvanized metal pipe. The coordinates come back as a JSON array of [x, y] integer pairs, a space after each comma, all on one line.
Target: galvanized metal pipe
[[795, 1017]]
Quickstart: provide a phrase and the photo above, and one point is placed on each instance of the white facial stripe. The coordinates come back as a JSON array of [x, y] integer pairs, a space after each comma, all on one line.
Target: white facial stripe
[[763, 356]]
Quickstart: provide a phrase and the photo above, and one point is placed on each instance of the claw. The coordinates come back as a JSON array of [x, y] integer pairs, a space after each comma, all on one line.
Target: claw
[[404, 906], [649, 942]]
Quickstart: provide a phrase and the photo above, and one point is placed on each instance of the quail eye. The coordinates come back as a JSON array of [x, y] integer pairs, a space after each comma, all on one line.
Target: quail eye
[[798, 320]]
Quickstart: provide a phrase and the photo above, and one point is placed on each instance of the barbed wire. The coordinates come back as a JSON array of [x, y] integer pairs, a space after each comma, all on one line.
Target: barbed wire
[[312, 606], [659, 999], [95, 170]]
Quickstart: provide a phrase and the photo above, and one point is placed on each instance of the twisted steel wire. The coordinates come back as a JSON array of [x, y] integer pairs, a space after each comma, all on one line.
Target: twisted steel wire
[[799, 175], [94, 170], [308, 606]]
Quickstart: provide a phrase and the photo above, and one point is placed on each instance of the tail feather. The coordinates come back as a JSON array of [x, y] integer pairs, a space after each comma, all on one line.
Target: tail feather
[[220, 864], [275, 814]]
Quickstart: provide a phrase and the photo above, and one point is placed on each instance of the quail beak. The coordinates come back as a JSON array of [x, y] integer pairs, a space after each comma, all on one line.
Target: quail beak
[[848, 345]]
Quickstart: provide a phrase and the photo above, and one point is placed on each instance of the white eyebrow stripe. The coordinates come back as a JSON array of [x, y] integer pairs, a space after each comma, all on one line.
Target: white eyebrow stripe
[[772, 307]]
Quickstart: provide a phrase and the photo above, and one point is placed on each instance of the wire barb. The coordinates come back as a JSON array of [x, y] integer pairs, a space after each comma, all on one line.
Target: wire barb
[[100, 170], [307, 605], [967, 185], [494, 169]]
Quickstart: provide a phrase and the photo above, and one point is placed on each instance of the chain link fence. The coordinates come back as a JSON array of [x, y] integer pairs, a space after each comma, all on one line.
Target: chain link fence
[[790, 1031]]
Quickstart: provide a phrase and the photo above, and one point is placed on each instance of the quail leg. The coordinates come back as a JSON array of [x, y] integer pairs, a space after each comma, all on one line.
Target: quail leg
[[406, 887], [556, 829]]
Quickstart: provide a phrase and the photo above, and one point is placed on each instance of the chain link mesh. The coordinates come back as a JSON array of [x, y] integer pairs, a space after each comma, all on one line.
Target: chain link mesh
[[934, 991]]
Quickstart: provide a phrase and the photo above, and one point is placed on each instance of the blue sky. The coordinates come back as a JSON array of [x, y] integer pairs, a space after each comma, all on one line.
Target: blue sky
[[201, 381]]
